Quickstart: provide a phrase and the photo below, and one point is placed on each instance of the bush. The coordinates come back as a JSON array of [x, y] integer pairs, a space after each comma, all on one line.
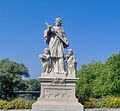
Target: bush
[[93, 103], [15, 104], [18, 103], [28, 105], [106, 102], [8, 106], [111, 102], [2, 103]]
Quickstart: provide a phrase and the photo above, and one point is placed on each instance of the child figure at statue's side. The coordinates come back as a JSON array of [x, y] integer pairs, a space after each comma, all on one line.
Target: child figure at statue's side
[[71, 62], [45, 57]]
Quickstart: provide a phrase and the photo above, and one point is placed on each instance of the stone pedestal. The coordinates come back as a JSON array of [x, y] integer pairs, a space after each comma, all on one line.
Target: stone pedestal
[[57, 94]]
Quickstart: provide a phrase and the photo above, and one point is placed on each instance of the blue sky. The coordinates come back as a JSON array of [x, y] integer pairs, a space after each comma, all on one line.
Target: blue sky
[[92, 27]]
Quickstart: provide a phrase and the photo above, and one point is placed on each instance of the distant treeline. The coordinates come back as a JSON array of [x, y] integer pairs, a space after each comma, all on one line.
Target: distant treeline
[[11, 79]]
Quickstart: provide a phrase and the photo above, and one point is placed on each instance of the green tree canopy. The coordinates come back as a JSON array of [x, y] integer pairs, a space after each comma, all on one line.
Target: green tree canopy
[[32, 84], [11, 74], [113, 75], [87, 75], [99, 79]]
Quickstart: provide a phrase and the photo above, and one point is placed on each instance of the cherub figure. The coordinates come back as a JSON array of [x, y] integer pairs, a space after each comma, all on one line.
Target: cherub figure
[[71, 62], [45, 57]]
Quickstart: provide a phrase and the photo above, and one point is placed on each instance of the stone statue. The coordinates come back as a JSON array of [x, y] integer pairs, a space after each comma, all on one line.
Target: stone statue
[[56, 39], [71, 62], [45, 57], [58, 78]]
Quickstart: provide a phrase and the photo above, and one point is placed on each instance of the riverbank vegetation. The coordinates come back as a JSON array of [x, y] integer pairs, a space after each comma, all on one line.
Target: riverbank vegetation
[[99, 80]]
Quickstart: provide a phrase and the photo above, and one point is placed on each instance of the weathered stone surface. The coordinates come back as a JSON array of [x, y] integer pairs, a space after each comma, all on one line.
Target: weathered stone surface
[[56, 39], [110, 109], [57, 94], [58, 79], [107, 109], [57, 106]]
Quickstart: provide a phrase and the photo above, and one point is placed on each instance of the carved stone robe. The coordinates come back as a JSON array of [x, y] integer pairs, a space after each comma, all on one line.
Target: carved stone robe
[[56, 47]]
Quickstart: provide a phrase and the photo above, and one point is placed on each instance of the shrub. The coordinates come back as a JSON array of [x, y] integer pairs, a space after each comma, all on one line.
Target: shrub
[[19, 103], [28, 105], [111, 102], [2, 103], [7, 106], [106, 102], [93, 103]]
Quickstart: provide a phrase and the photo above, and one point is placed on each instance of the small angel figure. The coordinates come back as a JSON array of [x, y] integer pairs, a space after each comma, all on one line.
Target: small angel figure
[[45, 57], [71, 62]]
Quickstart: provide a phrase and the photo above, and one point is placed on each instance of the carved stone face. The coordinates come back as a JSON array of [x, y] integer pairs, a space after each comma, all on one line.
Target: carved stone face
[[57, 24], [58, 21], [70, 52]]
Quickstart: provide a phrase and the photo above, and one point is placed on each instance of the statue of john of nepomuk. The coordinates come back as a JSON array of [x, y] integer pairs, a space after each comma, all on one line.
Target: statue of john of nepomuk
[[56, 39]]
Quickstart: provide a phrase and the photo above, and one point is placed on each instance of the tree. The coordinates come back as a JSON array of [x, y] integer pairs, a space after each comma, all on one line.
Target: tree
[[108, 83], [113, 77], [33, 84], [87, 75], [11, 76], [99, 79]]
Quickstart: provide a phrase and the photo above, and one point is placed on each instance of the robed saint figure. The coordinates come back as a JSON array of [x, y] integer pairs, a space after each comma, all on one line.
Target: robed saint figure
[[56, 38]]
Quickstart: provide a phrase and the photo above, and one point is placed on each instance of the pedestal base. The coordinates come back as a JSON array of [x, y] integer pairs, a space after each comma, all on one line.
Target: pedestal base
[[57, 106], [57, 94]]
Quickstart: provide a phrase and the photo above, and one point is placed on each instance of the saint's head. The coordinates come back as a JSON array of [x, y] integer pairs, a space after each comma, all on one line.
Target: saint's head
[[58, 21]]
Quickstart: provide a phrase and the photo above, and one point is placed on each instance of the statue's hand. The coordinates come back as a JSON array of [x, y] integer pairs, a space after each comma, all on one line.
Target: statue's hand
[[49, 28], [52, 30]]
